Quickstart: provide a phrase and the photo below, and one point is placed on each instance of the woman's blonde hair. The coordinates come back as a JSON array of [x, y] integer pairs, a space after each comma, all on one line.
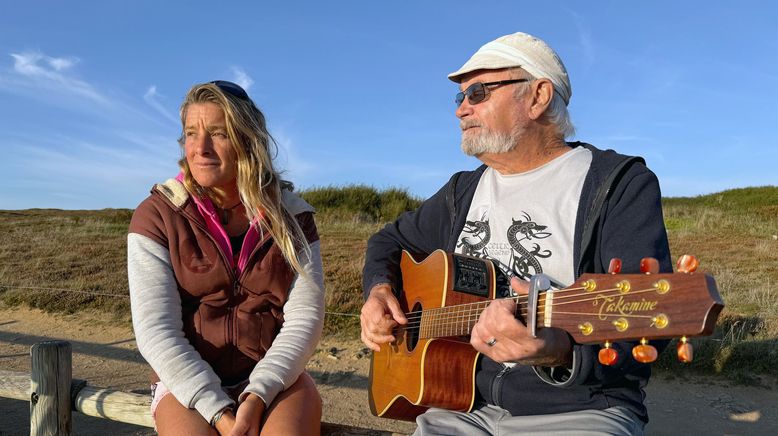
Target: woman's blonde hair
[[259, 184]]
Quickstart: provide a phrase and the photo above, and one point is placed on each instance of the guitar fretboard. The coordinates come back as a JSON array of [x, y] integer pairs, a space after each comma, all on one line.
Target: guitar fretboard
[[458, 320]]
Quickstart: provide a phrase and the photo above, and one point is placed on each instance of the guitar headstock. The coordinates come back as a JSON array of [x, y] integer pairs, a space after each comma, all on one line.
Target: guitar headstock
[[604, 308]]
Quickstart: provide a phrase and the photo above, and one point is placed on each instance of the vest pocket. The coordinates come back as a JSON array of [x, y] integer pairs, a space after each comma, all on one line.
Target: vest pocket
[[210, 332], [256, 332]]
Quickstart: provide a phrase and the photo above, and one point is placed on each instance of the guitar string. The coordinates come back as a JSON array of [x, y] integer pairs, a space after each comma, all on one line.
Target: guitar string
[[443, 323], [457, 322], [520, 301], [558, 295], [442, 319], [460, 329]]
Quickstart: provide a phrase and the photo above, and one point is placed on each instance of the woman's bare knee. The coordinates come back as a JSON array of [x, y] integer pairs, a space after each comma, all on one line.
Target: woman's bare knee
[[172, 418], [297, 410]]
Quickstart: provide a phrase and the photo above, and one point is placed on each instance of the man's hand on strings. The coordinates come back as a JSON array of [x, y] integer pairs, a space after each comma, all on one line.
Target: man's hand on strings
[[502, 337], [380, 315]]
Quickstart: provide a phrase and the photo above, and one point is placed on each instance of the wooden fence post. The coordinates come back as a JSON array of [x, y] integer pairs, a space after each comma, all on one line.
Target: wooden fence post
[[50, 390]]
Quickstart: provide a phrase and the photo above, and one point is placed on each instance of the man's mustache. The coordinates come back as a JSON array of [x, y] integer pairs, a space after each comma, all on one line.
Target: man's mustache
[[466, 124]]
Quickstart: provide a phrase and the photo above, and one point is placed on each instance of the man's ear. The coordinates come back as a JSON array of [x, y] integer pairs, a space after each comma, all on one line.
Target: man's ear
[[542, 92]]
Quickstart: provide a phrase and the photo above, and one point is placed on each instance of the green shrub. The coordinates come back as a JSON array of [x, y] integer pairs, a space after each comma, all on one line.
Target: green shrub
[[361, 202]]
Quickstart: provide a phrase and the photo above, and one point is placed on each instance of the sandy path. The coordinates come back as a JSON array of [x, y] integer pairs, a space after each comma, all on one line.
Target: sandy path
[[106, 356]]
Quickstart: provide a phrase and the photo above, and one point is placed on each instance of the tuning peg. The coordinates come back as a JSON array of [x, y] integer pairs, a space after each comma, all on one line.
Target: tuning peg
[[615, 266], [644, 353], [607, 355], [649, 265], [687, 263], [685, 350]]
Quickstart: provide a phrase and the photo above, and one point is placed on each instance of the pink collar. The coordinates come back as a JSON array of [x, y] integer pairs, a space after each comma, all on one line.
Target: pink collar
[[208, 211]]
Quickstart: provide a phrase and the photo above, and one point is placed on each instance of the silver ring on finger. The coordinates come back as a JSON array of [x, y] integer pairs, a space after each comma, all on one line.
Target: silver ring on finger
[[491, 342]]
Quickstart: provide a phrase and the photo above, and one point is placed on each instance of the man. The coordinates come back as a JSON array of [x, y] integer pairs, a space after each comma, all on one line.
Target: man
[[537, 205]]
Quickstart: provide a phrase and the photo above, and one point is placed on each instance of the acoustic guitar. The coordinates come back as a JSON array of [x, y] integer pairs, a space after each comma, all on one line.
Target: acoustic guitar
[[432, 364]]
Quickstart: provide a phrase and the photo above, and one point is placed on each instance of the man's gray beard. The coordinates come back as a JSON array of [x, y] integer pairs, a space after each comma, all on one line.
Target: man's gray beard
[[490, 142]]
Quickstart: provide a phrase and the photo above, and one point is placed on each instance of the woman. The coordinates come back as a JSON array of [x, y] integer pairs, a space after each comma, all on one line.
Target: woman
[[226, 280]]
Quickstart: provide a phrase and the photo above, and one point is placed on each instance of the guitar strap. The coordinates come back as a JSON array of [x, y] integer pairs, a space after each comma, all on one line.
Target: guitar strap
[[595, 210], [450, 197]]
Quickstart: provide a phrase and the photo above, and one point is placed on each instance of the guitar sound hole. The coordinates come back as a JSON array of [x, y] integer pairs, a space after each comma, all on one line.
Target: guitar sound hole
[[412, 334]]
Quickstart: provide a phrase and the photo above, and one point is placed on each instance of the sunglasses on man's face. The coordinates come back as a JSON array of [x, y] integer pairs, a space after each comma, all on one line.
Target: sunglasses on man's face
[[478, 92], [232, 89]]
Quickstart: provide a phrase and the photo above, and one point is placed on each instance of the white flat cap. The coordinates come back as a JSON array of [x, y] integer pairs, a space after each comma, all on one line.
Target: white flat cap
[[520, 50]]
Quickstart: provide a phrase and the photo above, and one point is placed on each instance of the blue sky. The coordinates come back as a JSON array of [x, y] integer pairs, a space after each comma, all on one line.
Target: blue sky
[[356, 91]]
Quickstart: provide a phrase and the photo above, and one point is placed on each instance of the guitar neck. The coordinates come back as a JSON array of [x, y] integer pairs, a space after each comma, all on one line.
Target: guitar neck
[[600, 308], [459, 320]]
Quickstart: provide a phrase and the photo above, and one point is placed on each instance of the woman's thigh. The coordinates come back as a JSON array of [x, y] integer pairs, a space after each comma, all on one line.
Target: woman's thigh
[[172, 418], [296, 411]]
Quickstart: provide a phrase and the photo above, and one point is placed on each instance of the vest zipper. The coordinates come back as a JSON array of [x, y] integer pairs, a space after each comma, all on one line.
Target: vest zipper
[[236, 280], [231, 313], [230, 272], [497, 385]]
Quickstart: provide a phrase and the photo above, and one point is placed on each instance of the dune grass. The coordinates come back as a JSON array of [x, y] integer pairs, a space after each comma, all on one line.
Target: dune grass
[[46, 255], [735, 235], [45, 251]]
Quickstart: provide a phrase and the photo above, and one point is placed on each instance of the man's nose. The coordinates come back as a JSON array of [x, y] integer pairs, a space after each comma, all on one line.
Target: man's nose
[[464, 109]]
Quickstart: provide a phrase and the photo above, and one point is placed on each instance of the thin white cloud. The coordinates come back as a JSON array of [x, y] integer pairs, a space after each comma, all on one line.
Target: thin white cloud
[[165, 147], [61, 64], [50, 80], [297, 168], [242, 78], [86, 164], [584, 38], [43, 72], [152, 98], [111, 158]]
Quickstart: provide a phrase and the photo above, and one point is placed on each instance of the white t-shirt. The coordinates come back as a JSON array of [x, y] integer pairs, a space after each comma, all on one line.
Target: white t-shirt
[[526, 222]]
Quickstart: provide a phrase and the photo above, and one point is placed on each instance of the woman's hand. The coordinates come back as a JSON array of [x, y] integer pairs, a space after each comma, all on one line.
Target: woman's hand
[[225, 423], [248, 417]]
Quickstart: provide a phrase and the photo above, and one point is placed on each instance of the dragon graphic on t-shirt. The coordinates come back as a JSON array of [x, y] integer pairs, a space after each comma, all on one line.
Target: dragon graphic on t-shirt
[[526, 230], [478, 236], [522, 260]]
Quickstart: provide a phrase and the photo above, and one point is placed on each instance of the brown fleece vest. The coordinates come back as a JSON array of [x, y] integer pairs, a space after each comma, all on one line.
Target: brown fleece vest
[[230, 320]]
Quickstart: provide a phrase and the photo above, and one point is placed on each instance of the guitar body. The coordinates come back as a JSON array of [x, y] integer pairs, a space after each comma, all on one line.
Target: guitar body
[[413, 373]]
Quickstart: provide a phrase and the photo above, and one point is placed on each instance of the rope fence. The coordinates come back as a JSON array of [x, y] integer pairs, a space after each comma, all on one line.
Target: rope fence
[[101, 294]]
